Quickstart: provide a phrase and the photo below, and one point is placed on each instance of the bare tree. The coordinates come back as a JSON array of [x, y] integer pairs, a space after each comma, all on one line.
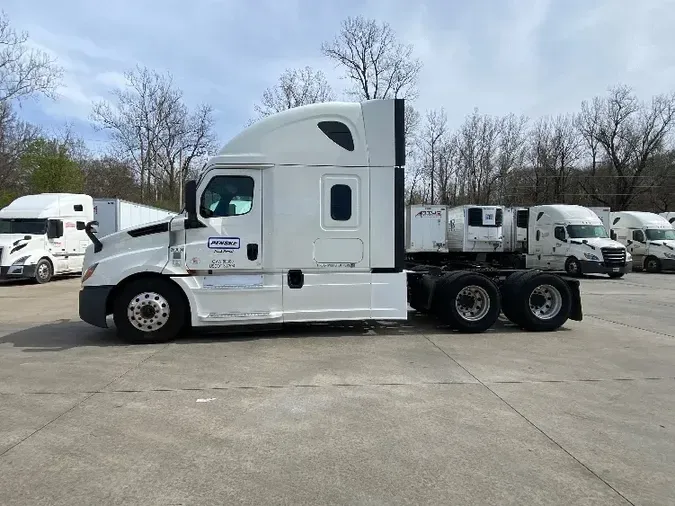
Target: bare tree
[[152, 127], [296, 87], [24, 71], [376, 63], [629, 133]]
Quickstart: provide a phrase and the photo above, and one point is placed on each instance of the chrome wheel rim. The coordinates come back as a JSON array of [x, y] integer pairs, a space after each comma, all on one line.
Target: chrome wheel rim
[[545, 302], [43, 271], [472, 303], [148, 311]]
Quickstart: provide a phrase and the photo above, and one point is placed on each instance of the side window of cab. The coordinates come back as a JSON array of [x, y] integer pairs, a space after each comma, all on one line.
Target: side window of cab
[[559, 233], [227, 196]]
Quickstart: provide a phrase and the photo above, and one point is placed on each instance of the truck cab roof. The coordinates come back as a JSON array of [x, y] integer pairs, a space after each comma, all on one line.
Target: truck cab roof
[[49, 205]]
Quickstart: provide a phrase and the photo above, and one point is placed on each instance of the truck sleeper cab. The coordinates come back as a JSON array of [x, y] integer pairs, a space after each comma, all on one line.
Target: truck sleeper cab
[[300, 218]]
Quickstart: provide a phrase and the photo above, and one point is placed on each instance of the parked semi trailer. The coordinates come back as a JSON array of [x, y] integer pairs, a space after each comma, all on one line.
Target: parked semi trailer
[[114, 215], [670, 217], [557, 238], [43, 235], [319, 236]]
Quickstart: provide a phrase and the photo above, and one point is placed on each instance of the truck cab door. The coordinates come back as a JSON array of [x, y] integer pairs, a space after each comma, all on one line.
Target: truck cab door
[[225, 253], [637, 246]]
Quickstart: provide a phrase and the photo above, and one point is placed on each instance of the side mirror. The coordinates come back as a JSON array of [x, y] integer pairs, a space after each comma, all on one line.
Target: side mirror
[[80, 225], [54, 229]]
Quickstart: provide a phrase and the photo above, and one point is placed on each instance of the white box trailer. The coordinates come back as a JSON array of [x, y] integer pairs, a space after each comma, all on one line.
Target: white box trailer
[[670, 217], [114, 215], [604, 214], [463, 229]]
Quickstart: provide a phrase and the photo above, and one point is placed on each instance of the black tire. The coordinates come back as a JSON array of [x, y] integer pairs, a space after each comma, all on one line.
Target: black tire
[[554, 287], [509, 294], [43, 271], [616, 275], [652, 264], [160, 327], [573, 267], [448, 303]]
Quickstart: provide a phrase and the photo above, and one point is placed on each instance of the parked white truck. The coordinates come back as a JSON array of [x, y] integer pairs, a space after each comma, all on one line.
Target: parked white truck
[[648, 236], [574, 239], [43, 235], [552, 238], [319, 236]]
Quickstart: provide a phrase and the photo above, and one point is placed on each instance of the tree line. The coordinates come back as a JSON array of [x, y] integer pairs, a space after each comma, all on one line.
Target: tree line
[[616, 150]]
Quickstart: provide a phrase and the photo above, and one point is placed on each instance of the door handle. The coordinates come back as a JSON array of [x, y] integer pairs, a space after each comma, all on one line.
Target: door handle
[[252, 251], [295, 278]]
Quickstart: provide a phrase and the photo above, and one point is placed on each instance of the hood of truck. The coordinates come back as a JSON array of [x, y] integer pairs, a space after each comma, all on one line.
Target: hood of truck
[[597, 243], [666, 244], [129, 239]]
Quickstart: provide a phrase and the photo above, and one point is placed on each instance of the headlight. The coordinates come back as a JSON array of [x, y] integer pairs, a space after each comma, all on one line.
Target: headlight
[[20, 261], [591, 256], [669, 255], [629, 257], [88, 273]]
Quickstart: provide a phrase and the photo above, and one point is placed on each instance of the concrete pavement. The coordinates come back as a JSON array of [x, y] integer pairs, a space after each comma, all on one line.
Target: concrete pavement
[[382, 414]]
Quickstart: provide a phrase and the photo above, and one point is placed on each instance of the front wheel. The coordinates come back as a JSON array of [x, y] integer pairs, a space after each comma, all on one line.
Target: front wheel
[[573, 267], [43, 271], [652, 264], [149, 310]]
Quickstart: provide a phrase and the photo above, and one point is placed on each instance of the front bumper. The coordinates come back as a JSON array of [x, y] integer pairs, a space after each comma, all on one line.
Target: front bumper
[[588, 267], [17, 271], [93, 304], [667, 264]]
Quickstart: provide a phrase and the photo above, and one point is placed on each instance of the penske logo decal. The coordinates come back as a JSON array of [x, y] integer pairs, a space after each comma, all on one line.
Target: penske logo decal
[[224, 243]]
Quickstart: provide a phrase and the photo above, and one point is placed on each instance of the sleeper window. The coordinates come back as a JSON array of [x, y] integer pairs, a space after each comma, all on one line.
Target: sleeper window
[[340, 202], [227, 196]]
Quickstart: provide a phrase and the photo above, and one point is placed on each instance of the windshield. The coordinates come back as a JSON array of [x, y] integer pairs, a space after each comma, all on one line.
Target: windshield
[[660, 234], [586, 231], [23, 226]]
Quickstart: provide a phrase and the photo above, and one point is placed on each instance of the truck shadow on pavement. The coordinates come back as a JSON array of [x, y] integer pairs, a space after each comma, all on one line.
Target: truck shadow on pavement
[[69, 334]]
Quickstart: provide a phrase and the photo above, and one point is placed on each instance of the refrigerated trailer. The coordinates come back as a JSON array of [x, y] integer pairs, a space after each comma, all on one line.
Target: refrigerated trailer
[[114, 215], [319, 237]]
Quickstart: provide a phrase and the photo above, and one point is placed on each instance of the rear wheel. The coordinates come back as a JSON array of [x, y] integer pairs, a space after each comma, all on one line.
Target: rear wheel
[[467, 302], [539, 301], [149, 310]]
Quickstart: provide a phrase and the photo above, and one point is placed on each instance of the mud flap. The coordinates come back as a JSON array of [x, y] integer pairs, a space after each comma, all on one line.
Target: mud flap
[[576, 312]]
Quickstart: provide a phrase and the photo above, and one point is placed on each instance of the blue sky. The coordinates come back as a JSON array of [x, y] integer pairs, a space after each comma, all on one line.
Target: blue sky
[[533, 57]]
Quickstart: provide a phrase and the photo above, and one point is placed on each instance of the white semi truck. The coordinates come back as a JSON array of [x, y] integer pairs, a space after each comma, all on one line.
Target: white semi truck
[[648, 236], [560, 237], [317, 234], [43, 235]]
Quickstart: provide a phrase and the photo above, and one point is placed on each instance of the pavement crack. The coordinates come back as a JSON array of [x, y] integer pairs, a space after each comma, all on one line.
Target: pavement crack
[[530, 422], [630, 326], [79, 403]]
